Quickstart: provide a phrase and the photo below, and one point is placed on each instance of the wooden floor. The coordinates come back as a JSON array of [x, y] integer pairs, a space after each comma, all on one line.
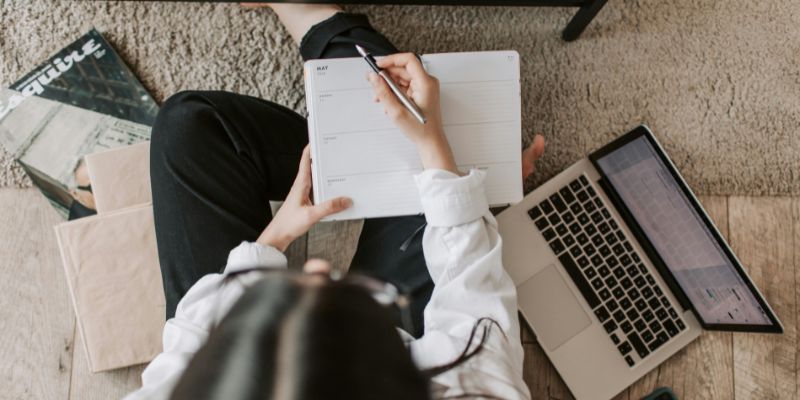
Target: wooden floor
[[43, 358]]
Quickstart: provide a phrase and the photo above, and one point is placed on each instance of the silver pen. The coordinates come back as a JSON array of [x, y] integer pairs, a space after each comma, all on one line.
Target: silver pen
[[410, 106]]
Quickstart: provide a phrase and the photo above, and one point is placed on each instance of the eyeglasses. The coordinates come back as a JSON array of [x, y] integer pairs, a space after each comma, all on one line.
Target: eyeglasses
[[384, 293]]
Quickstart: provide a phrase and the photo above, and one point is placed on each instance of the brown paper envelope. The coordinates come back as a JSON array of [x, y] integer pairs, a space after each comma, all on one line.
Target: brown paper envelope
[[112, 269], [120, 177]]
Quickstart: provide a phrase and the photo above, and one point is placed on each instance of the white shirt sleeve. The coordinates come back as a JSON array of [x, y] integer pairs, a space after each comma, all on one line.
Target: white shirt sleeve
[[204, 304], [463, 252]]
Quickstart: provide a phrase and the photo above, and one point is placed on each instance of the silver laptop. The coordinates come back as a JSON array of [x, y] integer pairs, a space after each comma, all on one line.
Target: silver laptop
[[617, 267]]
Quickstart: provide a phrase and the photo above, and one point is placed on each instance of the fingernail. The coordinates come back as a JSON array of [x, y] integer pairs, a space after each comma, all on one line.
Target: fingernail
[[347, 202]]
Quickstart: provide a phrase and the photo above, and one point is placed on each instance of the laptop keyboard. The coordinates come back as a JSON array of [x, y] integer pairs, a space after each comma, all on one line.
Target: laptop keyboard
[[611, 276]]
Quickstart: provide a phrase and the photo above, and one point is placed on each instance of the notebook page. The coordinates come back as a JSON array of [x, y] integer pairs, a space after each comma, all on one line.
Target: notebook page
[[358, 152]]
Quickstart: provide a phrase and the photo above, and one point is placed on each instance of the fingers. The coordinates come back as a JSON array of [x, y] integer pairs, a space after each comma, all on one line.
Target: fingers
[[408, 61], [330, 207], [302, 183], [391, 105], [531, 154]]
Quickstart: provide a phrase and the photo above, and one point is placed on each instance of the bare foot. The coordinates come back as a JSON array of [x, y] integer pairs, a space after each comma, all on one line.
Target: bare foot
[[530, 155], [299, 18]]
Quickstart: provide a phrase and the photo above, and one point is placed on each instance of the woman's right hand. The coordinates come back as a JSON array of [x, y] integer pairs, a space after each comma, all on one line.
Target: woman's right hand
[[423, 89]]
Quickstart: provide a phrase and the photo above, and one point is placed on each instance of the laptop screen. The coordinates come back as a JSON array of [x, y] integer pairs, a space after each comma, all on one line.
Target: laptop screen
[[680, 235]]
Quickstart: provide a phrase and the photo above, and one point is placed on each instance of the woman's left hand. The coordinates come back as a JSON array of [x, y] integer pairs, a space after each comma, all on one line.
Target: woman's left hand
[[298, 213]]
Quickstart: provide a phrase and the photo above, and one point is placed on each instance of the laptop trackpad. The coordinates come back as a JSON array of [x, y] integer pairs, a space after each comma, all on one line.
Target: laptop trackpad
[[551, 308]]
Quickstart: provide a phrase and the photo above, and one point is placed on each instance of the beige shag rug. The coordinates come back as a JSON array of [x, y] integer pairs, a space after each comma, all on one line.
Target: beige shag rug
[[718, 81]]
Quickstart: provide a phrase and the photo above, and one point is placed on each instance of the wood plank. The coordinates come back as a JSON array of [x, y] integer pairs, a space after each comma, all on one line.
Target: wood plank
[[35, 309], [102, 385], [540, 375], [761, 233], [704, 369], [335, 242]]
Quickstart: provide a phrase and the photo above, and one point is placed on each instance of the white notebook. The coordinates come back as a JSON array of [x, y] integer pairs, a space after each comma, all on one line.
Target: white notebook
[[358, 152]]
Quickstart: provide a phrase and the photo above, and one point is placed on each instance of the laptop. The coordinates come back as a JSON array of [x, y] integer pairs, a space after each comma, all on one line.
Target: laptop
[[617, 267]]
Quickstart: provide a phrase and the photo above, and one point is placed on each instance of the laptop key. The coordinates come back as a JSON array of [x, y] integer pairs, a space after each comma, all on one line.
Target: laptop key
[[653, 303], [606, 213], [569, 241], [655, 326], [672, 313], [632, 314], [596, 259], [611, 282], [626, 283], [657, 290], [554, 218], [579, 280], [651, 280], [567, 195], [549, 234], [590, 190], [542, 223], [575, 251], [636, 258], [597, 240], [603, 271], [625, 303], [535, 212], [590, 230], [612, 305], [632, 271], [547, 208], [618, 293], [583, 262], [625, 348], [610, 326], [589, 207], [619, 272], [604, 294], [613, 224], [661, 314], [639, 282], [614, 338], [642, 268], [661, 338], [619, 316], [597, 283], [558, 203], [602, 314], [568, 217], [583, 219], [633, 294], [647, 293], [576, 208], [626, 326], [630, 361], [647, 336], [619, 250], [605, 251], [648, 316], [625, 260], [670, 327], [582, 239], [575, 185], [584, 181], [640, 325], [611, 238], [665, 302], [574, 228], [557, 246], [603, 228], [597, 218], [590, 273], [612, 261], [620, 235], [641, 305], [582, 196], [598, 202], [628, 246], [561, 229], [641, 350], [680, 324], [589, 250]]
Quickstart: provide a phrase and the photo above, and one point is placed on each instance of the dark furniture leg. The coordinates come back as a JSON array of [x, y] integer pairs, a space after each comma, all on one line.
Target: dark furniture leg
[[581, 19]]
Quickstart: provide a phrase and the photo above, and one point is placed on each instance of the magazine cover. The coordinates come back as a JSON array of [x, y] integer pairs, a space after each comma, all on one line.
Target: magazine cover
[[84, 99]]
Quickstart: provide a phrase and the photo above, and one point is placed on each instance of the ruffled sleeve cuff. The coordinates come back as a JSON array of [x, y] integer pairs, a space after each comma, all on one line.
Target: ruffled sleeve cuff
[[254, 255], [449, 199]]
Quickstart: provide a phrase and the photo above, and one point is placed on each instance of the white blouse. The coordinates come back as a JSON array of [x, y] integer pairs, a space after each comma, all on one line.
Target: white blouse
[[463, 252]]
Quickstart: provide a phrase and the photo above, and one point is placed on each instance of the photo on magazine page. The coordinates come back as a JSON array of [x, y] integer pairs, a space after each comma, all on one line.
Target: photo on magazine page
[[84, 99]]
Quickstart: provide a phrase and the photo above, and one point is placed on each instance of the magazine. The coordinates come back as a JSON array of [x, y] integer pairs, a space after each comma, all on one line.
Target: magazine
[[84, 99]]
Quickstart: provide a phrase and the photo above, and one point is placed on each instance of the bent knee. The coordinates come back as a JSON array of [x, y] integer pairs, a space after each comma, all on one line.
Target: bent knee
[[176, 125]]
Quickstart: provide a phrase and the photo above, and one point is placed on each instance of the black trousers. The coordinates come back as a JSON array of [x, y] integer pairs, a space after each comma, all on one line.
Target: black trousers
[[218, 158]]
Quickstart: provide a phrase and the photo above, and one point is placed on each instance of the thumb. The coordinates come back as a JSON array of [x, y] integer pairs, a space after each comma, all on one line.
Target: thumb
[[329, 207]]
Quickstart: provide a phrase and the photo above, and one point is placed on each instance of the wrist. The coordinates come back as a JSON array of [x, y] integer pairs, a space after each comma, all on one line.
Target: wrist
[[435, 152], [271, 238]]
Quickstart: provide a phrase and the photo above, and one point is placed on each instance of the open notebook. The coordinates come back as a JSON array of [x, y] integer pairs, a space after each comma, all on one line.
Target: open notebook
[[358, 152]]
